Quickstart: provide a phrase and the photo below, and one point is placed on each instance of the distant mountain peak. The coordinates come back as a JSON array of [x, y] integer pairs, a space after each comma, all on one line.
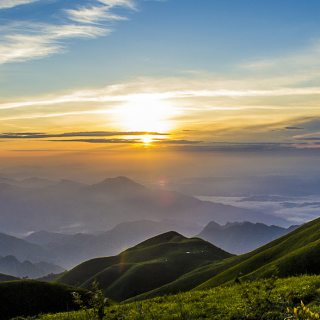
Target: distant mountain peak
[[213, 225], [70, 183], [118, 184], [120, 180], [161, 238]]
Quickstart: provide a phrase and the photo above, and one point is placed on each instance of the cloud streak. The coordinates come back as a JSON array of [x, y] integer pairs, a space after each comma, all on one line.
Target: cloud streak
[[41, 40], [40, 135], [5, 4], [108, 95], [23, 41]]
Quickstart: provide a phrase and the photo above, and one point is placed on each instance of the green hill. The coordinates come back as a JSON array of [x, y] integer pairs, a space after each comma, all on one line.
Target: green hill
[[31, 297], [293, 254], [146, 266], [6, 277]]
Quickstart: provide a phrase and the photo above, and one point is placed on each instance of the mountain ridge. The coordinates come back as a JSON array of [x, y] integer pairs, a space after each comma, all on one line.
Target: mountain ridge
[[106, 204], [152, 263]]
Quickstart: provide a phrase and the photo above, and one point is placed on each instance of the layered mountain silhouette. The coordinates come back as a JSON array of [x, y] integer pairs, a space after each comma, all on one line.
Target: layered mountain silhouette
[[242, 237], [72, 207], [170, 263], [68, 250], [293, 254], [146, 266], [166, 264], [74, 249], [24, 250], [12, 266]]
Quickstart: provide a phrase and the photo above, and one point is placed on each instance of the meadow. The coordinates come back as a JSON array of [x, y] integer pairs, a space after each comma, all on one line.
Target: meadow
[[273, 298]]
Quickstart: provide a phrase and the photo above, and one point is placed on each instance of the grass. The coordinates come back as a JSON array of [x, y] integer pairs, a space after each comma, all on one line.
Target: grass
[[152, 276], [31, 297], [264, 299]]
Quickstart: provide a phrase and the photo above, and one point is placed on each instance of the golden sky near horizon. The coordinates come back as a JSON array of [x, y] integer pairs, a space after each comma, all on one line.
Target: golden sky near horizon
[[125, 76]]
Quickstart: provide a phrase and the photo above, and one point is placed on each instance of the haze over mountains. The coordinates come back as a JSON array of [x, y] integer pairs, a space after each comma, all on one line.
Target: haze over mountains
[[239, 238], [72, 207], [170, 263], [66, 222], [72, 249], [146, 266], [10, 265], [68, 250]]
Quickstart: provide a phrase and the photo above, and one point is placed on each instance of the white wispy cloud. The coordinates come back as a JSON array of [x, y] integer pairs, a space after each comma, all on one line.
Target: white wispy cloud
[[123, 3], [53, 115], [295, 67], [92, 15], [40, 40], [4, 4], [22, 41], [110, 94]]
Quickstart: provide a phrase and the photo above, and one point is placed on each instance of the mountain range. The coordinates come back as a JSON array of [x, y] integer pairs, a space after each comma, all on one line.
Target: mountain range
[[12, 266], [239, 238], [170, 263], [72, 207], [24, 250], [68, 250]]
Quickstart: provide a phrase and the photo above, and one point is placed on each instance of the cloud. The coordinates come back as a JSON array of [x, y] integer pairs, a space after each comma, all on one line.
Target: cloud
[[293, 128], [175, 142], [126, 141], [92, 15], [22, 41], [299, 67], [238, 147], [109, 94], [295, 213], [34, 41], [125, 3], [309, 138], [5, 4], [39, 135], [132, 141]]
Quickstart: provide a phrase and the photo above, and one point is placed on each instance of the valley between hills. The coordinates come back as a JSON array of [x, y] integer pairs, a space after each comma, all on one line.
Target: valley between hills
[[144, 265]]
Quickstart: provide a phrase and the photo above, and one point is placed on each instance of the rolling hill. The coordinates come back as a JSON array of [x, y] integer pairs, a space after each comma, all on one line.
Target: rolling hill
[[73, 249], [32, 297], [295, 253], [146, 266], [6, 277]]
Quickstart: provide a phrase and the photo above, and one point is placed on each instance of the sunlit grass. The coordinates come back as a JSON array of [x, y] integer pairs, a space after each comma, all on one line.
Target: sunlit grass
[[253, 300]]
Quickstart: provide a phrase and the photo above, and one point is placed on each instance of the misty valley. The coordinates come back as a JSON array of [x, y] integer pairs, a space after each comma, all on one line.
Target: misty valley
[[140, 243]]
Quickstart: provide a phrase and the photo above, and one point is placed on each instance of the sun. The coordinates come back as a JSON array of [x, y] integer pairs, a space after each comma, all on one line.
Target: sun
[[146, 139], [145, 115]]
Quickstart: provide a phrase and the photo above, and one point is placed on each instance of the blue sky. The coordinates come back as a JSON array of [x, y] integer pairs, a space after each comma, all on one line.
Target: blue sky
[[202, 75], [153, 38]]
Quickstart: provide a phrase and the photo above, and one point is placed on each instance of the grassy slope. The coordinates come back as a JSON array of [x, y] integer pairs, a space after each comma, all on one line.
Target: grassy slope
[[149, 265], [227, 303], [31, 297], [293, 254], [5, 277]]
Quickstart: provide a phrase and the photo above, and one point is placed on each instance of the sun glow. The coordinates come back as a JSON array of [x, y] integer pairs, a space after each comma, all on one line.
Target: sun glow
[[149, 115], [147, 139]]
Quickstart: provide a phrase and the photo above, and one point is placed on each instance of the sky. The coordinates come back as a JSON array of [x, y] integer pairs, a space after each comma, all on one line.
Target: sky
[[219, 86]]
